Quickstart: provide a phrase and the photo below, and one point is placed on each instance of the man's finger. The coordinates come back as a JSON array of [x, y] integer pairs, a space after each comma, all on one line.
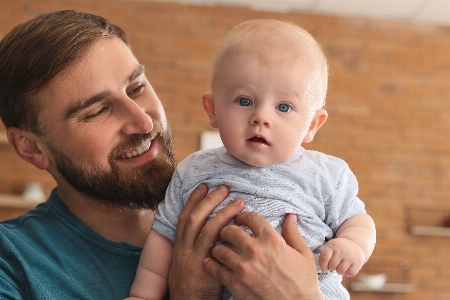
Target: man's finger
[[254, 221], [293, 237], [194, 218], [218, 272], [236, 237], [197, 195], [211, 230]]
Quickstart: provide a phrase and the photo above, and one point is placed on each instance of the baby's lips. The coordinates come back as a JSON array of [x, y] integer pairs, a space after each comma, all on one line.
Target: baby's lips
[[257, 139]]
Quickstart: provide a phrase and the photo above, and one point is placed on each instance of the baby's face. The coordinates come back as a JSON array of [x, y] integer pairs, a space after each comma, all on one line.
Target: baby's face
[[262, 111]]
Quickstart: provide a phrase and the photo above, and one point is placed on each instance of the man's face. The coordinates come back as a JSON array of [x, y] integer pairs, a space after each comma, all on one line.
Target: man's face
[[106, 131]]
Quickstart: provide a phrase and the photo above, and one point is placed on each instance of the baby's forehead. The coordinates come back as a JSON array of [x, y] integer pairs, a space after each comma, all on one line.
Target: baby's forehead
[[274, 46]]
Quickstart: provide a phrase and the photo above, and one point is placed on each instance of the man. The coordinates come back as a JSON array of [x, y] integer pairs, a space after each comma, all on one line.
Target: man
[[76, 102]]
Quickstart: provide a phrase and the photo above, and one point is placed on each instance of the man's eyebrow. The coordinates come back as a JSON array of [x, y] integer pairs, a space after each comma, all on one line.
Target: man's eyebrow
[[96, 98], [138, 72], [84, 104]]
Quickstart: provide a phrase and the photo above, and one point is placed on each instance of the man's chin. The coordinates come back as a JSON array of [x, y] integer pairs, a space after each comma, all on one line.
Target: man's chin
[[138, 188], [134, 188]]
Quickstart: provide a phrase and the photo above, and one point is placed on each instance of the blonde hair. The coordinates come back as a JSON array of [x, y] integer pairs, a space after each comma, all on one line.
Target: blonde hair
[[275, 41]]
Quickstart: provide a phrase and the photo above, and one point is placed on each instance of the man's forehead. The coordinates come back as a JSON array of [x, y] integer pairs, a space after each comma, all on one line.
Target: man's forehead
[[89, 58], [108, 64]]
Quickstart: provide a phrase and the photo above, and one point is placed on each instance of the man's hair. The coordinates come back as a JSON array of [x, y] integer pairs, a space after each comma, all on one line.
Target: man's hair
[[34, 52], [271, 42]]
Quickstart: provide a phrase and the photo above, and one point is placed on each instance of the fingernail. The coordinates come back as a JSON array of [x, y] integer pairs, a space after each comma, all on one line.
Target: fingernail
[[223, 188], [294, 218], [201, 187], [237, 201]]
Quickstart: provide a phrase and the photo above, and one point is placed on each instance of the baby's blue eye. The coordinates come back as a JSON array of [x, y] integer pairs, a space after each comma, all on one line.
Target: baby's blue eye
[[244, 102], [284, 107]]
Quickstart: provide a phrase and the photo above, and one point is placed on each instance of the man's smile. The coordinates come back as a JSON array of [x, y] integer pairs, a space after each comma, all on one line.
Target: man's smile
[[135, 151]]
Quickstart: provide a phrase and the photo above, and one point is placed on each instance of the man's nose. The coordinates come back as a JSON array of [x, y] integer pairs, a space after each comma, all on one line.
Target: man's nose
[[137, 119]]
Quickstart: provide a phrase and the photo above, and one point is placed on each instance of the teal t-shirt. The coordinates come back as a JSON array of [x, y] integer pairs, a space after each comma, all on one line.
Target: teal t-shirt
[[49, 254]]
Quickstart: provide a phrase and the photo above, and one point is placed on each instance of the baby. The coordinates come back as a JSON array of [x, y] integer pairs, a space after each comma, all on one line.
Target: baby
[[269, 84]]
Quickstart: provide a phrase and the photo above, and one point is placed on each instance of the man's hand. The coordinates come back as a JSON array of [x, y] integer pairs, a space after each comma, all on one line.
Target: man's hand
[[264, 266], [194, 241]]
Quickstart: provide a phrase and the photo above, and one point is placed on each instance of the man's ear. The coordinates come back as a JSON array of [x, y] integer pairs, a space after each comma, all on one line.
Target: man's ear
[[210, 108], [318, 120], [27, 146]]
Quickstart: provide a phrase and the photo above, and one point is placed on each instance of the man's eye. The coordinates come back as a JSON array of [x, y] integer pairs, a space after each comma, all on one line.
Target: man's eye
[[283, 107], [96, 113], [136, 89], [244, 102]]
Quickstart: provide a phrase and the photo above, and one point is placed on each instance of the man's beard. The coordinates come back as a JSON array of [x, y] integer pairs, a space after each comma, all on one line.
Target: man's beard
[[140, 188]]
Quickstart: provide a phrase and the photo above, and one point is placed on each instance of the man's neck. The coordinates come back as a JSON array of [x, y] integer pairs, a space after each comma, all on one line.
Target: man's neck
[[116, 224]]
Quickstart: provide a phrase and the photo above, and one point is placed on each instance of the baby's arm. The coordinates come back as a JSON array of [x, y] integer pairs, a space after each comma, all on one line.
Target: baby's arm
[[351, 248], [153, 269]]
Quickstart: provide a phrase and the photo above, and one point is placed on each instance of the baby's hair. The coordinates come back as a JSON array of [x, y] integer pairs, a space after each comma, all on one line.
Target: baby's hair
[[271, 42]]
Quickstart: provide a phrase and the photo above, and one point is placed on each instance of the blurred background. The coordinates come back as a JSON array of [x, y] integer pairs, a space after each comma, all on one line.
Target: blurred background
[[388, 105]]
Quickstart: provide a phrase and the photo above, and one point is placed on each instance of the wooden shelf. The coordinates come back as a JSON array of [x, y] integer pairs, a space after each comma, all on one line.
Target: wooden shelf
[[13, 201], [387, 288], [430, 230]]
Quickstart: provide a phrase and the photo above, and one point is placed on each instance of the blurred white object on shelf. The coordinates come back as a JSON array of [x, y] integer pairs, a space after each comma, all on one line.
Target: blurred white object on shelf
[[210, 140], [375, 281], [33, 191]]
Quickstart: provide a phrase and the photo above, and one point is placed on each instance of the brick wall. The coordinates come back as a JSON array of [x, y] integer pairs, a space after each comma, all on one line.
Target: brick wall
[[388, 104]]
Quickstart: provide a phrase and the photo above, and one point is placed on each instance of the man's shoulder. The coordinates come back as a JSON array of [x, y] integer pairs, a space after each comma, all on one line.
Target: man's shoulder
[[26, 231], [47, 244], [32, 215]]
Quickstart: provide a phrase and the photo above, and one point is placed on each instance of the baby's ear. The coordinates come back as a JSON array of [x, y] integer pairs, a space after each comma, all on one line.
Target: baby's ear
[[28, 146], [318, 120], [210, 108]]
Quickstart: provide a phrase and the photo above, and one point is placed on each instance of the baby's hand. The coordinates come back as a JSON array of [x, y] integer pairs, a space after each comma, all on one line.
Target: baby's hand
[[342, 255]]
